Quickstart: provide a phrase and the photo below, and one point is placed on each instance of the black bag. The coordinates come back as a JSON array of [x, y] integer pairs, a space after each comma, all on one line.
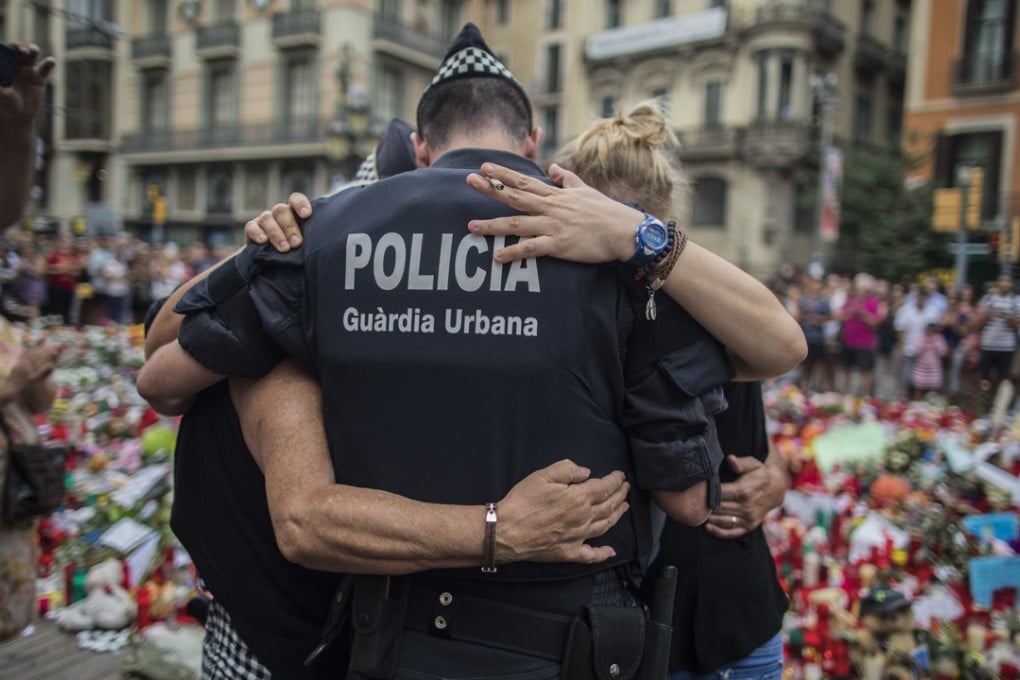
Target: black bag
[[34, 486]]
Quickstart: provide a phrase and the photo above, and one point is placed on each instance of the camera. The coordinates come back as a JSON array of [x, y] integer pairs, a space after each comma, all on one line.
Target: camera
[[10, 60]]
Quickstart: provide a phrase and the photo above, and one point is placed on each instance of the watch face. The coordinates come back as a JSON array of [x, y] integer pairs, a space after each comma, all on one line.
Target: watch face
[[654, 236]]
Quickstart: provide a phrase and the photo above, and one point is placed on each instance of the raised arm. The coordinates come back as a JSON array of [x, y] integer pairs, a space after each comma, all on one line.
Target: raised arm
[[575, 222], [19, 104], [323, 525]]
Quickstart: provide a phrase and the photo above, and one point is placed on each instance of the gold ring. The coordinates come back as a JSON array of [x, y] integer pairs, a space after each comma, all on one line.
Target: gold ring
[[733, 520]]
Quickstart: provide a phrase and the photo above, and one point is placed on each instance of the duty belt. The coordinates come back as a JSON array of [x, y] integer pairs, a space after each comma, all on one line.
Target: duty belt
[[468, 618]]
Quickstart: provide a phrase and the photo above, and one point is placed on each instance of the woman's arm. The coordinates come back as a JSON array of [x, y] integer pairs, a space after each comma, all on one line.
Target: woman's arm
[[323, 525], [575, 222]]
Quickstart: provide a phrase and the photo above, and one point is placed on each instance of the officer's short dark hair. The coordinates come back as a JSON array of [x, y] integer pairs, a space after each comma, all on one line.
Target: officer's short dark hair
[[472, 104]]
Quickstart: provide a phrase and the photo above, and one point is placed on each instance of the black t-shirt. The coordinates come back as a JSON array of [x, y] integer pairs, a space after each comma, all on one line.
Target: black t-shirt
[[222, 518], [728, 600]]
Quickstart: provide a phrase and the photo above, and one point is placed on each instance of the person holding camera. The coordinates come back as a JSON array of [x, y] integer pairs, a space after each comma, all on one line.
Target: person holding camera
[[22, 84]]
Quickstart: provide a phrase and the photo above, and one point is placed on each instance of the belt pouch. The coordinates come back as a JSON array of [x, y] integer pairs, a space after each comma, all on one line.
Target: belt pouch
[[336, 622], [604, 643], [377, 619]]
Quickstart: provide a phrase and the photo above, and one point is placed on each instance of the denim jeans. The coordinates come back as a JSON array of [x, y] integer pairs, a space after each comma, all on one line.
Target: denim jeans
[[764, 663]]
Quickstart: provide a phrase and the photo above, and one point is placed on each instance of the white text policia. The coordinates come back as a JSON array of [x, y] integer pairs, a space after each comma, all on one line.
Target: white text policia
[[449, 263]]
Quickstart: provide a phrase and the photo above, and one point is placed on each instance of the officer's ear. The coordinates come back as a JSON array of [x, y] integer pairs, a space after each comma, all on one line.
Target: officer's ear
[[529, 148], [531, 144], [422, 151]]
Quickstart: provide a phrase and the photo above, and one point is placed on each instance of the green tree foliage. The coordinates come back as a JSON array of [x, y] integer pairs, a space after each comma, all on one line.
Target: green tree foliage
[[885, 227]]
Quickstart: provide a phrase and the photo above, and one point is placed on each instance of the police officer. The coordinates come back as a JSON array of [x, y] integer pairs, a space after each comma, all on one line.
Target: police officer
[[447, 377]]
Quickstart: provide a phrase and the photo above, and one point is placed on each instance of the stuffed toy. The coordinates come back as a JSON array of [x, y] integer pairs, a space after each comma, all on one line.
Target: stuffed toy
[[106, 606], [884, 645]]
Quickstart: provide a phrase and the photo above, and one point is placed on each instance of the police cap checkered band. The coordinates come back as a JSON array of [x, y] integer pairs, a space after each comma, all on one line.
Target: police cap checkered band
[[471, 61], [366, 171], [470, 57]]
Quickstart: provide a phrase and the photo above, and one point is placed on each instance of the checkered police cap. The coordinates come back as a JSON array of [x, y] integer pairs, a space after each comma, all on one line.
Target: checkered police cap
[[470, 57]]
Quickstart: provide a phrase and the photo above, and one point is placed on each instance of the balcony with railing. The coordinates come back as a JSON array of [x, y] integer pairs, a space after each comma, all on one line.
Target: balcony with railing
[[776, 143], [149, 51], [896, 65], [406, 42], [869, 54], [219, 40], [295, 131], [829, 32], [713, 142], [88, 130], [985, 73], [297, 28], [87, 38]]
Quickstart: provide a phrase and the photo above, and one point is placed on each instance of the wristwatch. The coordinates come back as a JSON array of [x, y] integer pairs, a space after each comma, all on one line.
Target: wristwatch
[[651, 239]]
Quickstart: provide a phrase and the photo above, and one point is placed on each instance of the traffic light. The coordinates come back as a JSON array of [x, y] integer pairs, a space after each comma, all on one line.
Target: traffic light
[[975, 179]]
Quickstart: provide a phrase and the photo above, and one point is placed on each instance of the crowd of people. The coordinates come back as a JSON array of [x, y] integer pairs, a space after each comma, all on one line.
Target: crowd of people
[[93, 280], [869, 336]]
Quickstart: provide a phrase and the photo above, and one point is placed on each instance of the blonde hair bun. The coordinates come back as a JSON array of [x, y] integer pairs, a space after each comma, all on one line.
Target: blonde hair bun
[[632, 157]]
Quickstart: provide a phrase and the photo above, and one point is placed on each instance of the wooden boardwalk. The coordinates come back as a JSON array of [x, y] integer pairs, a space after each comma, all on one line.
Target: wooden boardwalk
[[51, 654]]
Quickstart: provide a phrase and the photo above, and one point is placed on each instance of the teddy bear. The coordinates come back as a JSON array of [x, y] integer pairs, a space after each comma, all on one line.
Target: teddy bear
[[106, 606], [884, 645]]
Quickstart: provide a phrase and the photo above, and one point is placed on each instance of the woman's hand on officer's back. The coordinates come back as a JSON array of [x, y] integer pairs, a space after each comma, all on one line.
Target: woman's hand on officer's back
[[548, 516], [279, 225], [571, 221]]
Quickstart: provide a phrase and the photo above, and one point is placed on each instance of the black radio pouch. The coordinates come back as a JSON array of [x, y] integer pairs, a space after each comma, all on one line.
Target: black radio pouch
[[605, 643], [378, 611]]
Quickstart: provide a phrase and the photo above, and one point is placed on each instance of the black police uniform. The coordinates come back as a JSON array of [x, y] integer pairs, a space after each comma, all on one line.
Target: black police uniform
[[448, 378]]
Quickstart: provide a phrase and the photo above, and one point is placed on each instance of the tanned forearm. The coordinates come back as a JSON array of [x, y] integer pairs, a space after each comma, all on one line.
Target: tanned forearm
[[548, 516], [170, 379], [323, 525]]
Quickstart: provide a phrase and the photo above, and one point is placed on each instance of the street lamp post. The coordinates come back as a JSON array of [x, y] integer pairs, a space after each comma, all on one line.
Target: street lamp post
[[824, 88], [962, 181], [350, 133]]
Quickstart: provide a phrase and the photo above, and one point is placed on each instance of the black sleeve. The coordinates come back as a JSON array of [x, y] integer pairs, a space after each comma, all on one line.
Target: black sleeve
[[245, 317], [674, 373], [742, 430]]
